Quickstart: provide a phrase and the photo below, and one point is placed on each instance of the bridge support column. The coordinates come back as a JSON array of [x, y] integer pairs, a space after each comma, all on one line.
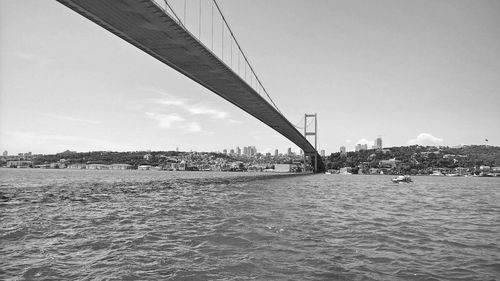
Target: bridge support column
[[315, 134]]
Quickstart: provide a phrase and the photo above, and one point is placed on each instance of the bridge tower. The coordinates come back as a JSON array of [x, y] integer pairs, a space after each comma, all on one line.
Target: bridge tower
[[312, 133]]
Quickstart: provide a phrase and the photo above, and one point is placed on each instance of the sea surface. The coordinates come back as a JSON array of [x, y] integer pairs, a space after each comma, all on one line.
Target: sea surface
[[153, 225]]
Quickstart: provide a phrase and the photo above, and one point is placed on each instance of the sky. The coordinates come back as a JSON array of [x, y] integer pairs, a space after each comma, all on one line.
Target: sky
[[412, 72]]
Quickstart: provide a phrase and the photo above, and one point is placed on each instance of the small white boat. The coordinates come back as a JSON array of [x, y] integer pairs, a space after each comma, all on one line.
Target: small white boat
[[403, 179]]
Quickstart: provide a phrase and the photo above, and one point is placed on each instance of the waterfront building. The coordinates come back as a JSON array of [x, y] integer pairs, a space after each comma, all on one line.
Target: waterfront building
[[77, 166], [120, 167], [19, 164]]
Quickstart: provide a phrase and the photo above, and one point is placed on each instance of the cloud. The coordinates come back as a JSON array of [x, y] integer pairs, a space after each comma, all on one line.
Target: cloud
[[36, 58], [175, 122], [69, 118], [364, 141], [425, 139], [216, 114], [44, 143], [194, 127], [194, 109], [165, 121]]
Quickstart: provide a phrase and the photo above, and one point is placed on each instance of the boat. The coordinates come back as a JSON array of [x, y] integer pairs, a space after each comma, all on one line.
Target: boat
[[403, 179]]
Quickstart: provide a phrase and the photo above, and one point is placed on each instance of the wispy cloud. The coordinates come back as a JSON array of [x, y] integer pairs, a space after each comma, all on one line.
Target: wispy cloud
[[32, 141], [32, 57], [69, 118], [364, 141], [425, 139], [165, 121], [199, 109], [192, 108], [174, 121]]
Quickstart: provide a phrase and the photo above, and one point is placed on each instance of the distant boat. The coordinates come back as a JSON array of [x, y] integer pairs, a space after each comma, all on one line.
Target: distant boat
[[403, 179], [437, 173]]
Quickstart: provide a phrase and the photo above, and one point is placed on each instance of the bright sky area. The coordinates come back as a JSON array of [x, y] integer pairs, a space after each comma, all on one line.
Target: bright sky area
[[425, 72]]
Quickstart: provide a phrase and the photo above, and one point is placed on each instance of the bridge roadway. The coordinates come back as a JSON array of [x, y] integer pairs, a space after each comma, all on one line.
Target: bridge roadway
[[145, 25]]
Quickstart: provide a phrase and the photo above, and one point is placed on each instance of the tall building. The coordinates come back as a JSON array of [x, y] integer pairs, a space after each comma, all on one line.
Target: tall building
[[245, 151], [360, 147], [276, 153], [253, 150], [238, 150], [322, 153], [378, 143], [231, 151], [342, 150], [289, 152], [5, 153], [224, 151]]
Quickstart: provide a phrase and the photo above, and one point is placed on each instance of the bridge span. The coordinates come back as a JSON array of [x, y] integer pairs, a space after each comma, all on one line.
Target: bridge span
[[147, 25]]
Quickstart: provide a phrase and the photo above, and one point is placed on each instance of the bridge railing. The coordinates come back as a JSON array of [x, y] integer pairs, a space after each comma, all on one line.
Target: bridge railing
[[204, 20]]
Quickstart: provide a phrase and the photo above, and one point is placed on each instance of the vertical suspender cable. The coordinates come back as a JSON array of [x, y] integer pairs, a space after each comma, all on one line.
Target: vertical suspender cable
[[185, 8], [212, 26], [199, 19], [222, 40]]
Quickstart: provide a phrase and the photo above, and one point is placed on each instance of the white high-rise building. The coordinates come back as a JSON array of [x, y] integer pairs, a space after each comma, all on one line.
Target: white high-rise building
[[378, 143]]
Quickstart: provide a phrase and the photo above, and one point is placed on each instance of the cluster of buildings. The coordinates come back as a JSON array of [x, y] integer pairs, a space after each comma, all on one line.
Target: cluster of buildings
[[189, 161], [251, 151], [377, 144]]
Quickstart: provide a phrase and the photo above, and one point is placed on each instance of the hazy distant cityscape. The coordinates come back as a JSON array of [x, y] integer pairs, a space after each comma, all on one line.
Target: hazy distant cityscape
[[472, 160]]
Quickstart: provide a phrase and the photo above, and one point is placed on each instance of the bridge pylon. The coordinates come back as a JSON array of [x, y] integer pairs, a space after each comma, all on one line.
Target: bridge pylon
[[312, 133]]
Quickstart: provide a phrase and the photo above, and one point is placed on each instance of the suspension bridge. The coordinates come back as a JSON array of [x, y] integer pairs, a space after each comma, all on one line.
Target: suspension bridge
[[197, 41]]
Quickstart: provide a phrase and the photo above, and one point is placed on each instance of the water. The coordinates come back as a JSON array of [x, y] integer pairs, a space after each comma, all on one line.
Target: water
[[150, 225]]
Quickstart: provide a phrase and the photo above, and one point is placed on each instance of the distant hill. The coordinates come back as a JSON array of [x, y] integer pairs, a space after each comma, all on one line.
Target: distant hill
[[420, 159]]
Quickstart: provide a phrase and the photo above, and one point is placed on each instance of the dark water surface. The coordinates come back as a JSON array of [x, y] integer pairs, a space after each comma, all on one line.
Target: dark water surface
[[149, 225]]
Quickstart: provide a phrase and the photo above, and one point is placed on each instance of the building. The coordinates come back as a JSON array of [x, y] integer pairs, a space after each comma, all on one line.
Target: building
[[224, 151], [342, 150], [276, 153], [19, 164], [5, 153], [322, 153], [360, 147], [289, 151], [231, 151], [238, 150], [377, 144], [120, 167]]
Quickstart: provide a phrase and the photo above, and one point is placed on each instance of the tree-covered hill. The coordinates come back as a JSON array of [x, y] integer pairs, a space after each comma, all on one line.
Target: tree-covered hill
[[419, 158]]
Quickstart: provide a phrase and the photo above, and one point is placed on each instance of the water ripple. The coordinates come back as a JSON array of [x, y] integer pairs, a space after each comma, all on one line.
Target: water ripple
[[132, 225]]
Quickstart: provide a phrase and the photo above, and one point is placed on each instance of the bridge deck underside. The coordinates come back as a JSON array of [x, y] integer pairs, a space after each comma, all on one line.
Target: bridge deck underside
[[145, 25]]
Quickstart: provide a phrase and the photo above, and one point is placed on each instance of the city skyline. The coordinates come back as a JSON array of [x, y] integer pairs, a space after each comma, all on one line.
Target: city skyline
[[431, 79]]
